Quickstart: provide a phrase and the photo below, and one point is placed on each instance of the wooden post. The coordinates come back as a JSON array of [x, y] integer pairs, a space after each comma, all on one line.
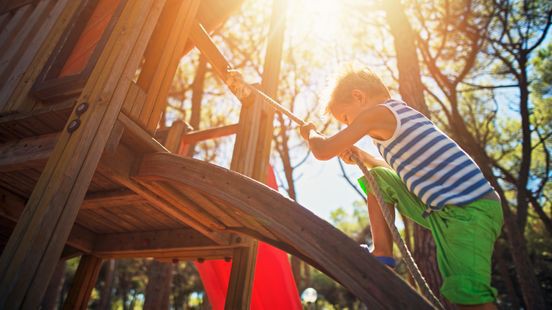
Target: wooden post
[[251, 154], [83, 283], [35, 246]]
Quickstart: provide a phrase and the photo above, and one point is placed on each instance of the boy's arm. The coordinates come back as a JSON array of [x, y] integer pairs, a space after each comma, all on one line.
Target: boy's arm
[[377, 122]]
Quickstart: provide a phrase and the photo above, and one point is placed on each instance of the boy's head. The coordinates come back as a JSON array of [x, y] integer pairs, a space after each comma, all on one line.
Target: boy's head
[[354, 92]]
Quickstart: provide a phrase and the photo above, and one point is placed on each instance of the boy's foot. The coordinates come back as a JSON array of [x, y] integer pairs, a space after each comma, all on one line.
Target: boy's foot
[[386, 260]]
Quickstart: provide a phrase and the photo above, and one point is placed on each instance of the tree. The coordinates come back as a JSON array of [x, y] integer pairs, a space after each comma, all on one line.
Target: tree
[[468, 25]]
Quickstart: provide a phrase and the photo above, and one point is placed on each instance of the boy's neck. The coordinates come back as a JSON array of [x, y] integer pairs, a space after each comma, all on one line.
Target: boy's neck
[[375, 101]]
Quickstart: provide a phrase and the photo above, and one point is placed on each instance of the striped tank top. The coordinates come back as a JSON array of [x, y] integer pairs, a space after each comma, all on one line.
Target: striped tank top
[[431, 164]]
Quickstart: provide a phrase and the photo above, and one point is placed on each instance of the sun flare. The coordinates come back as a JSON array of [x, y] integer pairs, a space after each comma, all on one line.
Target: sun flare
[[319, 18]]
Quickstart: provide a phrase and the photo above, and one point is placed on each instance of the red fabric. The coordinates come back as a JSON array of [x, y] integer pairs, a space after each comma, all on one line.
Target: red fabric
[[273, 286]]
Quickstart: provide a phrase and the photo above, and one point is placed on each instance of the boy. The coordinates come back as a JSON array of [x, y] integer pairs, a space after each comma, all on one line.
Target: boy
[[429, 178]]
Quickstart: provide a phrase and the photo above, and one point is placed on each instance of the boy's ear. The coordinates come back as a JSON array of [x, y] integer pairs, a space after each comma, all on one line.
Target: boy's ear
[[358, 95]]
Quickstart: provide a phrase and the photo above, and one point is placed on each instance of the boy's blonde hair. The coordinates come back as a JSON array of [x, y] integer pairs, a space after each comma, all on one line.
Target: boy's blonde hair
[[364, 80]]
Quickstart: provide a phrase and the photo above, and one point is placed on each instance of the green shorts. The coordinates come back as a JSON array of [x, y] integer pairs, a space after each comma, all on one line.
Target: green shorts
[[464, 238]]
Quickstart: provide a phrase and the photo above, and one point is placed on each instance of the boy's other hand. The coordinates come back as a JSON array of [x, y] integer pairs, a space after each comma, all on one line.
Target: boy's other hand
[[306, 129], [346, 156]]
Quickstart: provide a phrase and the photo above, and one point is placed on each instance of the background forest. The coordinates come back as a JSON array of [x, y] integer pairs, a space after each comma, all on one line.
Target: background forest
[[481, 70]]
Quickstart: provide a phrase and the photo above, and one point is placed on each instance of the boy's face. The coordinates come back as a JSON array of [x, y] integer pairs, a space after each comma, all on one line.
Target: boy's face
[[346, 112]]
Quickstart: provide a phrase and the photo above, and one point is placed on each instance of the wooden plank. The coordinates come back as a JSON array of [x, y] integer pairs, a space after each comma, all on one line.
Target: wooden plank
[[137, 136], [241, 277], [138, 103], [174, 136], [211, 133], [15, 23], [205, 44], [16, 90], [24, 36], [83, 282], [208, 205], [156, 45], [184, 205], [340, 256], [170, 57], [6, 6], [37, 242], [119, 167], [45, 113], [26, 153], [110, 199], [184, 255], [28, 43], [154, 243], [11, 207], [130, 99]]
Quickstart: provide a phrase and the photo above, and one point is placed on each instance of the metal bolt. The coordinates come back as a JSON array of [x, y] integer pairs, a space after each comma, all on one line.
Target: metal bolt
[[81, 108], [73, 125]]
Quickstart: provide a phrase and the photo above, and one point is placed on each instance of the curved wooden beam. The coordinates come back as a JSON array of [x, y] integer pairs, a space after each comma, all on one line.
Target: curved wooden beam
[[294, 225]]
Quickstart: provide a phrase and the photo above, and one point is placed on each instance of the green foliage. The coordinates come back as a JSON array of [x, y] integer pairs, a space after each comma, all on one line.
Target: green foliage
[[352, 224]]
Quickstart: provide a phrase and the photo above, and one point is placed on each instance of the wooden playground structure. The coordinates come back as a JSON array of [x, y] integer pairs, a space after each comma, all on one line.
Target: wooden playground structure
[[84, 170]]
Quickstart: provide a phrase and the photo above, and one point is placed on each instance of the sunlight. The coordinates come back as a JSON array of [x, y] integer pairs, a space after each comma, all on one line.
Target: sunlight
[[314, 18]]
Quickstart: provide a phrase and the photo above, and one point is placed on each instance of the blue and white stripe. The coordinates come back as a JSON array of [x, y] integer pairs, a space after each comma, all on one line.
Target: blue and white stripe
[[431, 164]]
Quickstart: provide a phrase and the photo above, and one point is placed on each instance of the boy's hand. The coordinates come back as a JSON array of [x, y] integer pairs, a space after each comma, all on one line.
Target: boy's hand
[[346, 156], [306, 129], [237, 85]]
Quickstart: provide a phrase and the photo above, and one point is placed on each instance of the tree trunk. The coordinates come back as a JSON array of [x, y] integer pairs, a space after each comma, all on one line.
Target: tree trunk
[[505, 275], [159, 285], [526, 148], [52, 295], [197, 97], [410, 82], [426, 259], [105, 292]]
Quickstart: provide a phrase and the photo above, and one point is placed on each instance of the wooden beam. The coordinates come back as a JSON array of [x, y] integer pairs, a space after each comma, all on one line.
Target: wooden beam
[[289, 222], [192, 255], [26, 153], [136, 136], [11, 207], [162, 64], [211, 133], [174, 136], [157, 243], [119, 167], [32, 52], [207, 47], [252, 151], [200, 218], [214, 56], [83, 282], [111, 198], [36, 244]]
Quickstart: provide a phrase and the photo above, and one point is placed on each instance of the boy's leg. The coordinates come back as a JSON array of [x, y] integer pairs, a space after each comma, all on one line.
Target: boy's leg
[[464, 238], [381, 235]]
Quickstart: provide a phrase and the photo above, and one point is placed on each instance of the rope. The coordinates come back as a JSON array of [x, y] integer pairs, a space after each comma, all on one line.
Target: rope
[[243, 92]]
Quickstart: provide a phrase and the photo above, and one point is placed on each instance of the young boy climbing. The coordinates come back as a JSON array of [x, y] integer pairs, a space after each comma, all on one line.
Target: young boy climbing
[[426, 175]]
